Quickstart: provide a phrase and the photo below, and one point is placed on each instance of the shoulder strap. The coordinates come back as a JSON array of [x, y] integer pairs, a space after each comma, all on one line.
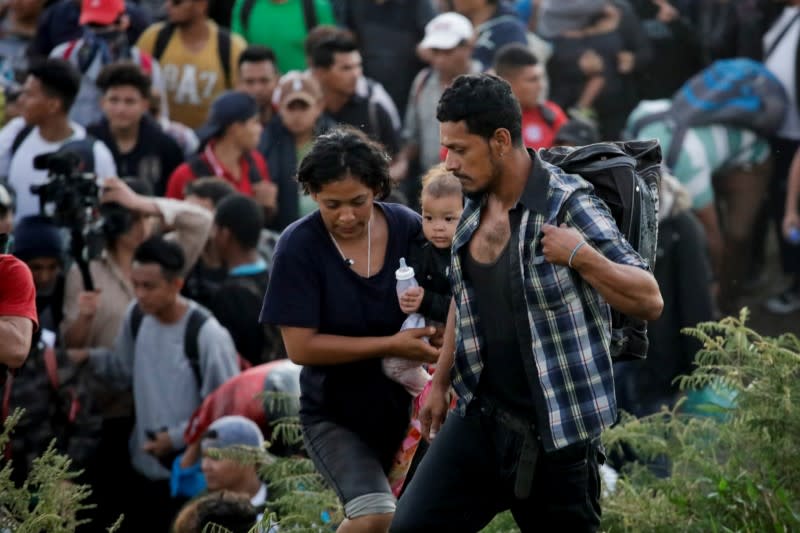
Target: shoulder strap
[[779, 38], [51, 365], [136, 320], [162, 40], [244, 13], [20, 138], [254, 173], [548, 115], [224, 49], [309, 15], [146, 62], [191, 340], [200, 167], [422, 81], [69, 49]]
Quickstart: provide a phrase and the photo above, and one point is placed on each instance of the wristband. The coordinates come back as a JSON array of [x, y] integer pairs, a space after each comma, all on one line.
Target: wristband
[[574, 251]]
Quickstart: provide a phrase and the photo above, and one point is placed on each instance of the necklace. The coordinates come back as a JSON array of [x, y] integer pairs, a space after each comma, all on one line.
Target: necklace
[[350, 262]]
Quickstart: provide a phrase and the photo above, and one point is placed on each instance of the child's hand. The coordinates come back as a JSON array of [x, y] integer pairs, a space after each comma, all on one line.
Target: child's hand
[[411, 299]]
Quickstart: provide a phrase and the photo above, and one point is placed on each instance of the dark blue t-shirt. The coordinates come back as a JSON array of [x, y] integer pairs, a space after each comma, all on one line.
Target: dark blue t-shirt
[[311, 287]]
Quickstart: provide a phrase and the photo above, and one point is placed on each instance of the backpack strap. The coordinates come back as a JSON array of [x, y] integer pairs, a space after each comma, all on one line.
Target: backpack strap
[[51, 365], [768, 52], [136, 320], [200, 166], [253, 171], [162, 40], [224, 49], [20, 137], [69, 49], [309, 15], [421, 82], [244, 13], [191, 340], [548, 115], [146, 62]]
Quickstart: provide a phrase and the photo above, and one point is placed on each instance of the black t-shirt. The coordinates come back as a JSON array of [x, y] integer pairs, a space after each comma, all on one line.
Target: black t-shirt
[[236, 304], [503, 377], [431, 267], [311, 287], [370, 118], [154, 157]]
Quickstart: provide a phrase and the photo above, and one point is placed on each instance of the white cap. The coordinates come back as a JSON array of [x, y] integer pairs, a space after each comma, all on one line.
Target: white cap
[[405, 272], [446, 31]]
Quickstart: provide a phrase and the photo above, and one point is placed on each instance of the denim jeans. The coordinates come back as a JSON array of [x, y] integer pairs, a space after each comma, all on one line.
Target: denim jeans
[[468, 475]]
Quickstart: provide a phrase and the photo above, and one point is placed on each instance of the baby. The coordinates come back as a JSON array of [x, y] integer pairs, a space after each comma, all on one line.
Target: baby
[[442, 203]]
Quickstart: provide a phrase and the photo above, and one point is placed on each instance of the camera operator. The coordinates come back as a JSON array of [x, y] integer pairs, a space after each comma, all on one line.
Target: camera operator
[[93, 319], [47, 96]]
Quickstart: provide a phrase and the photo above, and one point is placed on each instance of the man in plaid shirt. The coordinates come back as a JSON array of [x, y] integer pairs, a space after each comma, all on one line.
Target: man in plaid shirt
[[537, 261]]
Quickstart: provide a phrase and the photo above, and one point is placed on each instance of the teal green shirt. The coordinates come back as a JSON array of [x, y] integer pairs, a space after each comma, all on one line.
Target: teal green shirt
[[281, 26], [706, 150]]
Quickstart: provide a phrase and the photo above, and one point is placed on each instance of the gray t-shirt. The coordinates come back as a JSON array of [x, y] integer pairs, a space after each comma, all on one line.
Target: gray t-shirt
[[165, 391]]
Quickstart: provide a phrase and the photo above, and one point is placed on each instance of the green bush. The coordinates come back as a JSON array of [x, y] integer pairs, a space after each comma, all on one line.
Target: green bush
[[738, 470]]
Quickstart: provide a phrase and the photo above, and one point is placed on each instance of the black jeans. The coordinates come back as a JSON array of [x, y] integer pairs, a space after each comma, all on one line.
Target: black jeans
[[468, 474]]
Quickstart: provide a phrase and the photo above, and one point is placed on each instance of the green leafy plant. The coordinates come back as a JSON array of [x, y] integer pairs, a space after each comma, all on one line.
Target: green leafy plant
[[50, 500], [734, 465]]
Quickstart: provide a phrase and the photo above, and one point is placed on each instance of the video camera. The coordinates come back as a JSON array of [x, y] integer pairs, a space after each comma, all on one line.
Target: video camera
[[74, 194]]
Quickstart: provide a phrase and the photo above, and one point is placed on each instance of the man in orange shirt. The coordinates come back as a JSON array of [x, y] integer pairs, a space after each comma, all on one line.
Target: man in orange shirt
[[230, 137]]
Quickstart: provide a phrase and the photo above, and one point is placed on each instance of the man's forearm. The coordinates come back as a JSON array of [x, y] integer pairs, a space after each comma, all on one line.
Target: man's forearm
[[16, 334], [628, 289]]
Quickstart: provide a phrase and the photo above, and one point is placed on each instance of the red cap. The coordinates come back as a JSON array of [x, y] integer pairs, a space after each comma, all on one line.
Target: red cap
[[101, 11]]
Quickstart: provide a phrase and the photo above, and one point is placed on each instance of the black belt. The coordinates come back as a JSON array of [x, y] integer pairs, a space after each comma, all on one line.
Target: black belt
[[529, 454]]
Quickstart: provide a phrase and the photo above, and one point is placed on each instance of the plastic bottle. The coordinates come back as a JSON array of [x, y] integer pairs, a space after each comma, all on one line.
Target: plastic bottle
[[406, 280], [405, 277]]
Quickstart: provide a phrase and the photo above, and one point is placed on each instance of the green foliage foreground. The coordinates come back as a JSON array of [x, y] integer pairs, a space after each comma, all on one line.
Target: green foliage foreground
[[737, 470]]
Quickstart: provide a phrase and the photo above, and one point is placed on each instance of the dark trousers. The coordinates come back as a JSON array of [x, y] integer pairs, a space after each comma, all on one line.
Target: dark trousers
[[468, 474]]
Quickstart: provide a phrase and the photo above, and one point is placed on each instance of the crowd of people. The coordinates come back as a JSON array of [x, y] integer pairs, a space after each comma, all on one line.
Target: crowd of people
[[263, 166]]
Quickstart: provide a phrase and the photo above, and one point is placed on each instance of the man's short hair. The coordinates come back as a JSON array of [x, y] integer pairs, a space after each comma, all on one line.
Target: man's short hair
[[485, 103], [210, 188], [513, 57], [166, 254], [256, 53], [124, 73], [243, 217], [323, 54], [59, 79]]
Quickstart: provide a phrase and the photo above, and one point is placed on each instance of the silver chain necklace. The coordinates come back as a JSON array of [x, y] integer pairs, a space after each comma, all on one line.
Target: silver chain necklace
[[350, 262]]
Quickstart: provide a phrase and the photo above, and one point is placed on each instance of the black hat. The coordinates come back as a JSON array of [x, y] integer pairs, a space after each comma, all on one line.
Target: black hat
[[228, 108]]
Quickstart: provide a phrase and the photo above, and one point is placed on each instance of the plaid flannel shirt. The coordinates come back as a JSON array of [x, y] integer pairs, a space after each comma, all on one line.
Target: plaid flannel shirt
[[563, 324]]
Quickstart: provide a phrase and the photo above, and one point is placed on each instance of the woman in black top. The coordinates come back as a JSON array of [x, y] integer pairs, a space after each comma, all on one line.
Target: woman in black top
[[332, 293]]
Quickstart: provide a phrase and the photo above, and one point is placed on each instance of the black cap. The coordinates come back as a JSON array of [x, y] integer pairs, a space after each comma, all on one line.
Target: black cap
[[228, 108]]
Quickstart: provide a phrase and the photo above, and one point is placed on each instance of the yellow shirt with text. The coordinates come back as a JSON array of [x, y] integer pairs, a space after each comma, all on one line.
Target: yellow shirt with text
[[193, 78]]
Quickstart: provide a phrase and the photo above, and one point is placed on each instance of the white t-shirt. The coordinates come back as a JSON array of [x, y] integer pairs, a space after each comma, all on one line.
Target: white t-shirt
[[19, 167], [782, 63]]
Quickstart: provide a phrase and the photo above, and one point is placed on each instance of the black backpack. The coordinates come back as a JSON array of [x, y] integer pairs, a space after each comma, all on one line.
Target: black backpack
[[191, 338], [626, 176]]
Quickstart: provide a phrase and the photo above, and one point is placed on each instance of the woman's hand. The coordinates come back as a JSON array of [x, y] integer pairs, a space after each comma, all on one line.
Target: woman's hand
[[408, 344]]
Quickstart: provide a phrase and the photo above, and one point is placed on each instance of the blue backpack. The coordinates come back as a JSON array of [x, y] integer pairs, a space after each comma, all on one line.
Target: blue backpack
[[735, 92]]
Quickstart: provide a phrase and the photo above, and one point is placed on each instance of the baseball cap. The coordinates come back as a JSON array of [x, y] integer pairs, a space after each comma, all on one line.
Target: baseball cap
[[233, 430], [577, 132], [37, 236], [446, 31], [101, 11], [297, 85], [228, 108]]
